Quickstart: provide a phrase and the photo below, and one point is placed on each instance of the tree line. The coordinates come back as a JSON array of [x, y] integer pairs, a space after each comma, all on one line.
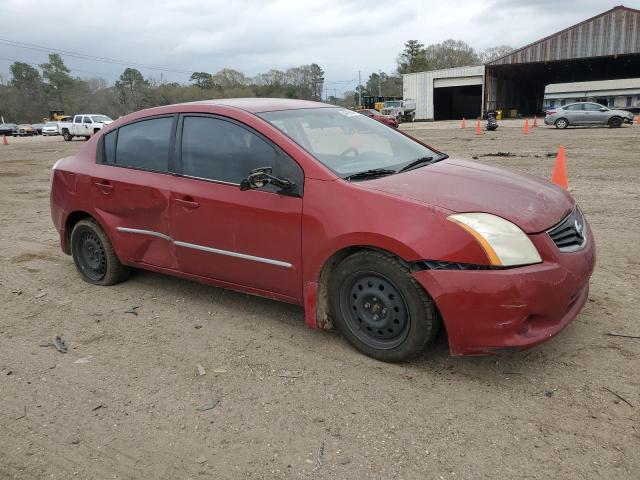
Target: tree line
[[32, 91]]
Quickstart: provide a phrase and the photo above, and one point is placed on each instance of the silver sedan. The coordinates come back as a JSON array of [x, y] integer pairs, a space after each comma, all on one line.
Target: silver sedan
[[586, 113]]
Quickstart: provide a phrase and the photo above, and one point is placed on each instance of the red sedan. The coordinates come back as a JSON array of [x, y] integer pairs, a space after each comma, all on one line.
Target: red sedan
[[372, 231], [376, 115]]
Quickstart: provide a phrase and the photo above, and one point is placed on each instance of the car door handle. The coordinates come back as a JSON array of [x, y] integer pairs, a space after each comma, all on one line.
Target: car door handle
[[187, 202], [104, 186]]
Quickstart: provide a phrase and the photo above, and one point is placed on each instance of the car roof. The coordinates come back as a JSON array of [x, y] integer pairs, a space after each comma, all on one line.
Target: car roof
[[258, 105]]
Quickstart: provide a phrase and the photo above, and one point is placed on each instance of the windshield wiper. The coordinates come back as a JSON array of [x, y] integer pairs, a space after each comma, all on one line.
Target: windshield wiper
[[374, 172], [418, 162]]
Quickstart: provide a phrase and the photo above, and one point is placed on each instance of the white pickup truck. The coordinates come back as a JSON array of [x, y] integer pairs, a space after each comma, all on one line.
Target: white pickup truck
[[83, 125], [402, 110]]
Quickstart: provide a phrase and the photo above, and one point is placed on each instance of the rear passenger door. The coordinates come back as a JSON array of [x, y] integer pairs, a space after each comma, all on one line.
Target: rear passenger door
[[250, 238], [132, 187], [575, 114]]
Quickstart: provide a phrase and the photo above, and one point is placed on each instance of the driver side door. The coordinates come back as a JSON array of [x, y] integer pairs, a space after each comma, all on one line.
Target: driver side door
[[248, 238]]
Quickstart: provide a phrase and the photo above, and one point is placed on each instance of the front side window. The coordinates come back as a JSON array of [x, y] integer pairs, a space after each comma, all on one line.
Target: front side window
[[349, 143], [592, 107], [216, 149], [144, 144], [78, 119]]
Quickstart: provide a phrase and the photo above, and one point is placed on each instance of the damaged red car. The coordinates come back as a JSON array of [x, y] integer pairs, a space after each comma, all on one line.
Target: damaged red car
[[373, 232]]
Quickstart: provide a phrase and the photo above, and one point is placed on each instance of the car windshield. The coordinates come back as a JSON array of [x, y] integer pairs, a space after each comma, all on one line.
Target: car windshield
[[51, 124], [347, 142], [392, 103], [100, 118]]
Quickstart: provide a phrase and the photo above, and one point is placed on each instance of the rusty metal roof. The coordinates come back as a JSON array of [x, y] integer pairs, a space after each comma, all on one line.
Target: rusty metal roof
[[614, 32]]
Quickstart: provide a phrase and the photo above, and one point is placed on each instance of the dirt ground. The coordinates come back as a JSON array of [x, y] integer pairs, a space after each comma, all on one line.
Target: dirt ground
[[296, 403]]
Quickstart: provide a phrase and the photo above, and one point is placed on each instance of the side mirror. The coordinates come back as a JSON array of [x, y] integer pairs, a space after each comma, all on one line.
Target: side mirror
[[604, 109], [259, 177]]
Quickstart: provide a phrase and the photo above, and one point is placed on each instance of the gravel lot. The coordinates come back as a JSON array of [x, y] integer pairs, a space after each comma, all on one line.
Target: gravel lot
[[295, 403]]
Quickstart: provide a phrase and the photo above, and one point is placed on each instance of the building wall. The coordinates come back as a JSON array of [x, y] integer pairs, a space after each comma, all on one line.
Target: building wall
[[419, 86]]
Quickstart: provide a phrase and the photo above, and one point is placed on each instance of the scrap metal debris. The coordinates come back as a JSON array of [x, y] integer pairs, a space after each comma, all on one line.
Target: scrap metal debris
[[319, 456], [616, 334], [619, 396], [200, 369], [208, 406], [133, 310], [58, 342], [548, 392], [289, 374], [498, 154]]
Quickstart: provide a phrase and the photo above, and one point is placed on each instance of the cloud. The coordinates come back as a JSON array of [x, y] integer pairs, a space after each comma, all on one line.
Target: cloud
[[254, 36]]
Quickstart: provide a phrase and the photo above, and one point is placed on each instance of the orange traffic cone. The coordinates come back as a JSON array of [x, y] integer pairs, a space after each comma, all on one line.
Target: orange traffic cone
[[559, 176], [4, 140], [535, 121], [525, 129], [638, 120], [478, 129], [464, 123]]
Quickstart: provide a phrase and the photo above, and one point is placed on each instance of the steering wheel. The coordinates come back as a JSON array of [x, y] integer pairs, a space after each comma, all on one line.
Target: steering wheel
[[345, 155]]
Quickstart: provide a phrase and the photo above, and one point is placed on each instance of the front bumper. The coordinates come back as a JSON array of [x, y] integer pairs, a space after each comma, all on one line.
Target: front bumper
[[491, 311]]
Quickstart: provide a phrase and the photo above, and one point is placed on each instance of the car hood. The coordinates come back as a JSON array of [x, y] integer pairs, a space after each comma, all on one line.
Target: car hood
[[465, 186]]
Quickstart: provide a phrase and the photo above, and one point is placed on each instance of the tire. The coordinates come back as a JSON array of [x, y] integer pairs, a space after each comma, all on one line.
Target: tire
[[615, 122], [561, 123], [94, 256], [67, 136], [380, 308]]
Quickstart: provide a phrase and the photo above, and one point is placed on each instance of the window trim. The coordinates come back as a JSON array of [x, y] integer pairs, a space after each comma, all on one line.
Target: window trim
[[101, 159], [178, 151]]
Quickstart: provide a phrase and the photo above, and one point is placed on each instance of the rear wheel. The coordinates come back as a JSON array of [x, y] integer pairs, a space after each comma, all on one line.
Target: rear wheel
[[615, 122], [380, 308], [94, 256], [561, 123], [67, 136]]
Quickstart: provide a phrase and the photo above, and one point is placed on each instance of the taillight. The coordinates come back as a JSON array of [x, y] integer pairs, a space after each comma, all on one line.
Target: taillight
[[550, 112]]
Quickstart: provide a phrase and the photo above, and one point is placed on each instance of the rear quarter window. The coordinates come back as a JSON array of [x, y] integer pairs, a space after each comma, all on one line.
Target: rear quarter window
[[110, 147]]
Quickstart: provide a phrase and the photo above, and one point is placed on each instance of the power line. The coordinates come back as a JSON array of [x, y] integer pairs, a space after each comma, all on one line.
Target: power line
[[84, 56]]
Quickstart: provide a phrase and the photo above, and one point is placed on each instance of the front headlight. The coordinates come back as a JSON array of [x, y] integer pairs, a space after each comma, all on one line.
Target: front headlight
[[503, 242]]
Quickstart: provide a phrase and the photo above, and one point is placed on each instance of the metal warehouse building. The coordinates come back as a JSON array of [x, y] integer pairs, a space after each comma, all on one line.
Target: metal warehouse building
[[604, 47]]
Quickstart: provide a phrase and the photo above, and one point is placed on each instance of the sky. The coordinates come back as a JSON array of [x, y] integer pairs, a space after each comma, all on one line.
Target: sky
[[253, 36]]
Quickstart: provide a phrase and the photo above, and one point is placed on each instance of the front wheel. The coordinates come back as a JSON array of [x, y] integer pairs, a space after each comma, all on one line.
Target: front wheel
[[67, 136], [615, 122], [561, 123], [380, 308], [94, 255]]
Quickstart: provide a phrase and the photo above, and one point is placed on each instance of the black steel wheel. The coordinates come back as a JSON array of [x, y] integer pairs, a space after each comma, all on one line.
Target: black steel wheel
[[94, 256], [615, 122], [374, 309], [380, 308]]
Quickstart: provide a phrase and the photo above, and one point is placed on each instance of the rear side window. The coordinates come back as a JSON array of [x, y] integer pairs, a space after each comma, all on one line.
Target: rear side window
[[144, 144], [110, 147], [219, 150]]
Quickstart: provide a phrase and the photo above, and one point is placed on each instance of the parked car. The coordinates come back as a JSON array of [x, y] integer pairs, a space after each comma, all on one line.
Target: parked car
[[24, 130], [586, 113], [376, 115], [8, 128], [37, 128], [371, 230], [50, 128], [83, 125]]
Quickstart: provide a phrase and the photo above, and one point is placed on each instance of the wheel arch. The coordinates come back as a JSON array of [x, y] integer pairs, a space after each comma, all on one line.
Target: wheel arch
[[72, 219], [316, 293]]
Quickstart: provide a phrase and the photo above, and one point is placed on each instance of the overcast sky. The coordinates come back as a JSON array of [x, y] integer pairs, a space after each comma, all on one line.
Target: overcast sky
[[342, 36]]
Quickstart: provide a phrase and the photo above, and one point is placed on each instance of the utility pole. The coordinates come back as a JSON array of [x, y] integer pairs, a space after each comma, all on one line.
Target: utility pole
[[379, 83], [359, 90]]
